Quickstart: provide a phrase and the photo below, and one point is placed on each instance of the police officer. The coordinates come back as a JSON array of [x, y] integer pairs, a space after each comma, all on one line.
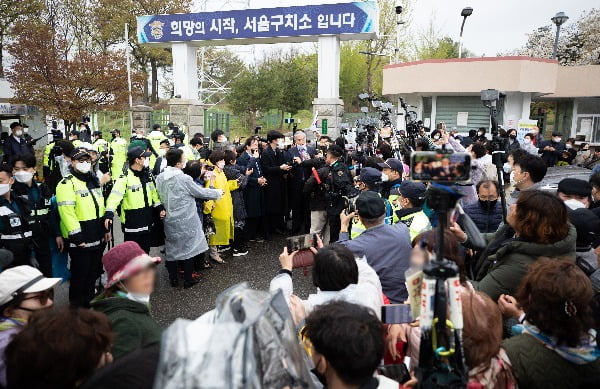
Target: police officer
[[81, 209], [339, 185], [408, 207], [135, 191], [117, 153], [74, 138], [56, 135], [15, 232], [155, 137], [100, 144], [43, 218], [391, 176], [368, 180]]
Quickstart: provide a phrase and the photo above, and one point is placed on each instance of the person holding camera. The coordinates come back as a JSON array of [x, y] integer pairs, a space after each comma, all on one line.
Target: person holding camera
[[338, 275], [386, 247], [339, 185]]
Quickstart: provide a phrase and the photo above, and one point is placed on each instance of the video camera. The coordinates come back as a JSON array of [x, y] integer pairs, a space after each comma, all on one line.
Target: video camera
[[493, 100]]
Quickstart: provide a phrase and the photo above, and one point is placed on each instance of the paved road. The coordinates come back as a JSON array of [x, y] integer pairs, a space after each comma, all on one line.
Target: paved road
[[257, 268]]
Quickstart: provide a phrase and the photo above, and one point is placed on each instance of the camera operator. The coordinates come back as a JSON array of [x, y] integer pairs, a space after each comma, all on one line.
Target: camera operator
[[338, 184], [552, 149], [391, 176], [303, 159], [337, 274], [386, 247]]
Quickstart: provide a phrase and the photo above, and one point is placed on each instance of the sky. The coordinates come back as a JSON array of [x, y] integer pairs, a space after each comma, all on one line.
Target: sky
[[494, 27]]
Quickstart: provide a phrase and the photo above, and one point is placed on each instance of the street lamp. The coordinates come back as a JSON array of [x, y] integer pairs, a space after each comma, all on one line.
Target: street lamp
[[465, 13], [559, 19], [399, 9]]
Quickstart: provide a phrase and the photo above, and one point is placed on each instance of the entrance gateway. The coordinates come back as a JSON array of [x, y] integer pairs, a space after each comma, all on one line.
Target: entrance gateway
[[327, 24]]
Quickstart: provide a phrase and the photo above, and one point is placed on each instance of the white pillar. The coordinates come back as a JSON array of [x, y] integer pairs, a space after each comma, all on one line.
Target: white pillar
[[185, 71], [433, 112], [329, 67], [574, 120], [328, 104]]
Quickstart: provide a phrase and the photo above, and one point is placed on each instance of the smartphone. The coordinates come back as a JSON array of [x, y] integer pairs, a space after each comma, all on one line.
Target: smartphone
[[396, 314], [440, 167], [301, 242]]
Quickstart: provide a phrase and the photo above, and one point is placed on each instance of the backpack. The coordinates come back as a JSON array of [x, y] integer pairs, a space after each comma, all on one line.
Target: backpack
[[248, 341]]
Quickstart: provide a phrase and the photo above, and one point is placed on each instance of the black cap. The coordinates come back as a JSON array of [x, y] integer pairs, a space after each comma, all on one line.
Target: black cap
[[137, 152], [79, 153], [166, 140], [116, 131], [75, 132], [335, 150], [587, 225], [97, 132], [272, 135], [394, 164], [370, 205], [574, 186], [412, 190], [557, 133], [155, 126], [369, 175]]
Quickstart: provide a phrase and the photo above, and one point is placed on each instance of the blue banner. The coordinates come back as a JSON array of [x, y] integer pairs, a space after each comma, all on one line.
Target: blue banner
[[358, 19]]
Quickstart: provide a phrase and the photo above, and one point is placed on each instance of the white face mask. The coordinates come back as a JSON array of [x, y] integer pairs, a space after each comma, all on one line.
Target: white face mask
[[162, 152], [556, 139], [18, 133], [384, 177], [221, 165], [139, 136], [83, 167], [71, 138], [506, 167], [280, 146], [526, 141], [568, 146], [4, 188], [146, 162], [23, 176], [139, 297]]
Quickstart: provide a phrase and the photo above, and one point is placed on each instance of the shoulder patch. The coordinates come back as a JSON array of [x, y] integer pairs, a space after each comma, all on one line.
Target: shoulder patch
[[67, 178]]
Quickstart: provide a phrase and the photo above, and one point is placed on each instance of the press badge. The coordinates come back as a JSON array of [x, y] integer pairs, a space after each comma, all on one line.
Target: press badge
[[15, 222], [48, 202]]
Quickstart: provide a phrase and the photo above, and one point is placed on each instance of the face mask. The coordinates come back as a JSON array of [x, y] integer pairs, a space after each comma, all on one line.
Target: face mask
[[436, 138], [139, 297], [4, 188], [526, 141], [162, 152], [280, 146], [384, 177], [139, 136], [25, 130], [221, 165], [18, 133], [71, 138], [568, 146], [512, 136], [480, 133], [23, 177], [556, 140], [83, 167], [506, 167], [147, 162], [488, 204]]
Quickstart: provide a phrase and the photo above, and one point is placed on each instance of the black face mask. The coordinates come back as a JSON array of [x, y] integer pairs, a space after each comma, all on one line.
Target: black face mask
[[320, 376], [512, 136], [488, 204]]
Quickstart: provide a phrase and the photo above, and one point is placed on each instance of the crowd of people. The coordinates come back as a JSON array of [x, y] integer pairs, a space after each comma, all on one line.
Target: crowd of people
[[529, 282]]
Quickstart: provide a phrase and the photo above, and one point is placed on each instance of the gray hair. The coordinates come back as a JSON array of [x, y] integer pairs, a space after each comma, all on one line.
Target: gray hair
[[299, 133]]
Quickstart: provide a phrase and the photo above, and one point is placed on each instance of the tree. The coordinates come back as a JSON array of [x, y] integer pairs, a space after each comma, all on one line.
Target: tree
[[45, 75], [353, 68], [251, 93], [11, 13], [110, 18], [431, 44]]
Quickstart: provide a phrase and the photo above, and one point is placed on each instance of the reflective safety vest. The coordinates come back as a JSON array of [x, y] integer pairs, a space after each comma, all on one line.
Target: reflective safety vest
[[118, 152], [47, 151], [155, 137], [417, 222], [101, 145], [39, 200], [76, 143], [137, 201], [81, 211], [15, 232], [358, 228]]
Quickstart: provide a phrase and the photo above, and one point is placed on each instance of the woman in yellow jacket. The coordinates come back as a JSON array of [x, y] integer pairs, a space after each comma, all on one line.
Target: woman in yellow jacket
[[222, 209]]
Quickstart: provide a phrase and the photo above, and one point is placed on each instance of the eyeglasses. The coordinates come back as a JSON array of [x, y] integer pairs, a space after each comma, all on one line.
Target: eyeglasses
[[42, 296]]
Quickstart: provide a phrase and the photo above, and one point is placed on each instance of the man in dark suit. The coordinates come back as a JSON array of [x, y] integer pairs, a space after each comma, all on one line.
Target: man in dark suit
[[16, 144], [302, 160], [275, 170]]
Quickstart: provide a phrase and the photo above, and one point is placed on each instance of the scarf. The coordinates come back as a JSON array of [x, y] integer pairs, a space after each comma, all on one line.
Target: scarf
[[6, 323], [585, 353]]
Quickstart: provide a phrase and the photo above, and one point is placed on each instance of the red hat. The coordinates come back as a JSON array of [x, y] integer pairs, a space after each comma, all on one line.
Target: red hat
[[125, 260]]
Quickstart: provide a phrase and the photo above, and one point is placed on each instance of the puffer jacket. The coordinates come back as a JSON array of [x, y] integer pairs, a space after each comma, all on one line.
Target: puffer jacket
[[537, 366], [504, 268], [485, 221]]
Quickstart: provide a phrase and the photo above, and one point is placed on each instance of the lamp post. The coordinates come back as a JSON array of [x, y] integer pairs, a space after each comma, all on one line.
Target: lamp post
[[399, 22], [559, 19], [465, 13]]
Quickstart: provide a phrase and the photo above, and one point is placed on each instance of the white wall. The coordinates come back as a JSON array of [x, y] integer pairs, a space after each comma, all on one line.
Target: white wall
[[516, 106]]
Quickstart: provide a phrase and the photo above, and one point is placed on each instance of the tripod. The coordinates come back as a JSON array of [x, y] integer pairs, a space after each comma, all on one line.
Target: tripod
[[441, 362]]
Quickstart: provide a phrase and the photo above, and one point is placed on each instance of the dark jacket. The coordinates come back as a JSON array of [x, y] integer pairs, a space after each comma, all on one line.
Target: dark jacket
[[12, 148], [537, 367], [551, 157], [316, 193], [503, 269], [132, 323], [275, 191], [299, 174], [339, 184], [486, 220], [387, 186], [512, 146], [254, 196]]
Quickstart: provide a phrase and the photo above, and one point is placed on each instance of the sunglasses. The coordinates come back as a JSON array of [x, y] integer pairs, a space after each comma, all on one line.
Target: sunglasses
[[42, 296]]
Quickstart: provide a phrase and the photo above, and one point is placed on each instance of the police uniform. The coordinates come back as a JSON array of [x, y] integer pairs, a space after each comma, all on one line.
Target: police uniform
[[15, 231], [42, 220], [414, 218], [339, 185], [81, 208], [136, 192], [100, 144], [118, 155]]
